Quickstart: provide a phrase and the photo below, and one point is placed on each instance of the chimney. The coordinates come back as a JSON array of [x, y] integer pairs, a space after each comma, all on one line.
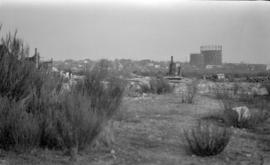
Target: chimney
[[35, 51]]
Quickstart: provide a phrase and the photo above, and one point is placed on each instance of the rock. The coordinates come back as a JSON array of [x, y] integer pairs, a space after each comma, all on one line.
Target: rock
[[243, 112], [248, 155], [112, 151]]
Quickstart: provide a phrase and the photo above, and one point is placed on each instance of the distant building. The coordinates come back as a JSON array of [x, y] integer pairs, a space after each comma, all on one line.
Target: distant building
[[196, 59], [36, 60], [209, 55], [212, 54]]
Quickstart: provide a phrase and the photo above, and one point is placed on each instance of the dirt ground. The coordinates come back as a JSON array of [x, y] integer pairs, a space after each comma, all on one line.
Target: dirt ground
[[149, 132]]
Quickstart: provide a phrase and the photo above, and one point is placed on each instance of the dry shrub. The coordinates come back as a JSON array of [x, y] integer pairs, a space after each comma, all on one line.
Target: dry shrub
[[189, 95], [16, 74], [35, 111], [146, 88], [206, 139], [85, 110], [160, 85], [77, 123], [18, 129]]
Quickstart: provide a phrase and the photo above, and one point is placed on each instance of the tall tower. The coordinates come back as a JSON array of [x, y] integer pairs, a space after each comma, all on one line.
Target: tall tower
[[212, 54]]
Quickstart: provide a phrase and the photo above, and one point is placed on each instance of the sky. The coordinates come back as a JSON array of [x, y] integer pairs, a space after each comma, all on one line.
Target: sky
[[140, 29]]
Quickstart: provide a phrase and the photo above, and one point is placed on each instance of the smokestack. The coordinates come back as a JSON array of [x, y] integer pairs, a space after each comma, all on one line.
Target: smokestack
[[35, 51], [171, 59]]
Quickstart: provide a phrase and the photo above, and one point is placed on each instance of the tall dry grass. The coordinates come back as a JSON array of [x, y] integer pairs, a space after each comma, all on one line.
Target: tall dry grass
[[35, 111]]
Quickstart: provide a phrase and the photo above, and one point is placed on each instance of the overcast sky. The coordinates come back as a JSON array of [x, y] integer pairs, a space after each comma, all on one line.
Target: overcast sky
[[141, 30]]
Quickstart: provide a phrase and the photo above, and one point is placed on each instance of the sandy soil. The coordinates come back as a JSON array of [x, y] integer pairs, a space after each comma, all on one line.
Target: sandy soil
[[149, 132]]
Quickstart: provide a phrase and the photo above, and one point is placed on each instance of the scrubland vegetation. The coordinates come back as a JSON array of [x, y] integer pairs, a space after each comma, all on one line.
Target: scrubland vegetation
[[38, 112]]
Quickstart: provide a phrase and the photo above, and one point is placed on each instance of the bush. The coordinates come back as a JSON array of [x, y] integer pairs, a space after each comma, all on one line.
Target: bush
[[189, 95], [146, 89], [78, 124], [16, 74], [45, 104], [36, 111], [85, 110], [160, 86], [207, 139], [18, 129]]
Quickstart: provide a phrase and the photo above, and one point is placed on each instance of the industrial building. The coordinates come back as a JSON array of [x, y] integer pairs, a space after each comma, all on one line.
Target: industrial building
[[174, 68], [196, 59], [210, 55]]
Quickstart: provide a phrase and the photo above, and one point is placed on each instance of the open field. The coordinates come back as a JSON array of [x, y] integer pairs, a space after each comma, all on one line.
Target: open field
[[149, 130], [134, 83]]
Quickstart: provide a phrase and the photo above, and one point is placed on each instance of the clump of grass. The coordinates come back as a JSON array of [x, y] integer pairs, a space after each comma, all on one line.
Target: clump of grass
[[189, 95], [206, 139]]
